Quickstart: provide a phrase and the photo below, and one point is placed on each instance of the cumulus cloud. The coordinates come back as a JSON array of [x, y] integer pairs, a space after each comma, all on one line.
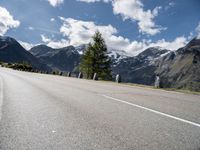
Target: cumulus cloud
[[134, 10], [198, 31], [52, 19], [92, 1], [45, 39], [80, 32], [26, 45], [55, 3], [58, 44], [171, 45], [54, 44], [7, 21]]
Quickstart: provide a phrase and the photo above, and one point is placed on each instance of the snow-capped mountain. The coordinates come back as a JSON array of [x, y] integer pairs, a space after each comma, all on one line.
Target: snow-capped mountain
[[141, 68], [178, 69], [116, 56]]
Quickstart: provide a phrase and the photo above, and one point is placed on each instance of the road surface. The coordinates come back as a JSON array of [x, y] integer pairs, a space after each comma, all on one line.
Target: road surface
[[46, 112]]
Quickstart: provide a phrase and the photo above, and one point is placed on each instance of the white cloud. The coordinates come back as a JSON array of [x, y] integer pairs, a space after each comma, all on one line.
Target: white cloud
[[134, 10], [58, 44], [170, 5], [55, 3], [80, 32], [135, 47], [6, 21], [173, 45], [191, 35], [54, 44], [26, 45], [52, 19], [92, 1], [198, 31], [30, 28], [45, 39]]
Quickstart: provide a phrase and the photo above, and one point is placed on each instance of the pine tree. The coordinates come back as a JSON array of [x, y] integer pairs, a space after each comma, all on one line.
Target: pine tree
[[86, 62], [96, 60]]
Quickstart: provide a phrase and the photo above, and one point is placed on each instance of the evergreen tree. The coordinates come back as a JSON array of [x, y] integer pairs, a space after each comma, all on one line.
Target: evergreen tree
[[96, 60], [86, 62]]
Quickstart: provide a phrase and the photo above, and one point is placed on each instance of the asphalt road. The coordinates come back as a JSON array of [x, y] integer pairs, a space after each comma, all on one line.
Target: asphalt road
[[46, 112]]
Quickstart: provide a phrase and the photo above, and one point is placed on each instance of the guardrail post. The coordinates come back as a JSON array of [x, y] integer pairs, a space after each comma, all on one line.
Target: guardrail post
[[118, 78], [80, 76], [69, 74], [95, 77], [157, 82]]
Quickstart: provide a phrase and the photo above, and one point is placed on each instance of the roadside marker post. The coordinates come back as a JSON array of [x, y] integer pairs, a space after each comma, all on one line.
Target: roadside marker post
[[118, 78], [95, 77], [80, 76], [69, 74], [61, 73], [157, 82]]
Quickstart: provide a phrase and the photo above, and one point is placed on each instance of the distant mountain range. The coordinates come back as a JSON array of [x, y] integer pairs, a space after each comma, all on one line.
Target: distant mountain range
[[12, 52], [141, 68], [63, 59], [177, 69]]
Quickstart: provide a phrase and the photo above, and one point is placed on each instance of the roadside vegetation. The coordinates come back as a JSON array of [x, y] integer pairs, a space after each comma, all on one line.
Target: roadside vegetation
[[18, 66]]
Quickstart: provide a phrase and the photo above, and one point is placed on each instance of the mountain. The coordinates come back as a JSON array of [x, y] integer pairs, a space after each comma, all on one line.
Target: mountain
[[181, 69], [12, 52], [116, 56], [41, 50], [141, 68], [177, 69], [63, 59], [68, 58]]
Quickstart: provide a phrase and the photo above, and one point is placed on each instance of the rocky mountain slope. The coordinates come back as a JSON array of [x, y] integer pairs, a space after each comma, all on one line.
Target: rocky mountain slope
[[141, 68], [181, 69], [176, 69], [63, 59], [12, 52]]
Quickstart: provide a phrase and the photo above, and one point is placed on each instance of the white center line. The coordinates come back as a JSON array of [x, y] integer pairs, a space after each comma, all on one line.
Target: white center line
[[154, 111]]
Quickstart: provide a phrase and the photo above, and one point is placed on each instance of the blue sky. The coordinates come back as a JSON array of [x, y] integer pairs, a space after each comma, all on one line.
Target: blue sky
[[130, 25]]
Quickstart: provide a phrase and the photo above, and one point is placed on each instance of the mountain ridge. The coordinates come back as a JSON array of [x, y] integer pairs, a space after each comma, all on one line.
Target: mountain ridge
[[12, 52], [177, 69]]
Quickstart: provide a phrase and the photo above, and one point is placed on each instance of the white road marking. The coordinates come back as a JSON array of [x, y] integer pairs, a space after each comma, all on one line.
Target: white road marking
[[154, 111], [1, 96]]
